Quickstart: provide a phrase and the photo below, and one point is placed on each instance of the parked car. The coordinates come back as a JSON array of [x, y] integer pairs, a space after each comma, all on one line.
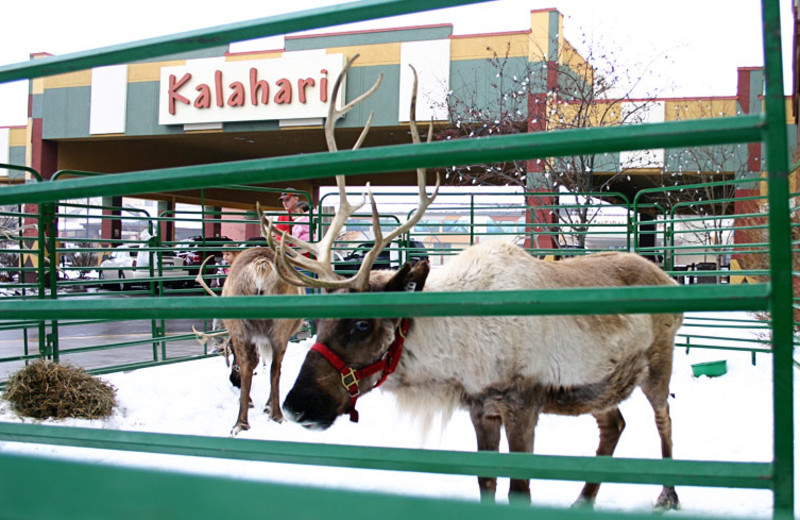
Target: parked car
[[131, 264], [196, 249], [389, 258], [258, 241]]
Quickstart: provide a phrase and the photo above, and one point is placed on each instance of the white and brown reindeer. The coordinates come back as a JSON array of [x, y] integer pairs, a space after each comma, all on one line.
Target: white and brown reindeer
[[504, 370]]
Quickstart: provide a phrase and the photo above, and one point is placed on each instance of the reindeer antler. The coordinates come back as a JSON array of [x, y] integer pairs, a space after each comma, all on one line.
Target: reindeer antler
[[288, 261], [199, 277]]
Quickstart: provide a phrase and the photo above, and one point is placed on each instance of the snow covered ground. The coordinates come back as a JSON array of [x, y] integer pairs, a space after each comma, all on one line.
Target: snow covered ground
[[727, 418]]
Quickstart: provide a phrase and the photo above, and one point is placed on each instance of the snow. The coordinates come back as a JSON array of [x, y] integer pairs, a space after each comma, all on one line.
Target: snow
[[727, 418]]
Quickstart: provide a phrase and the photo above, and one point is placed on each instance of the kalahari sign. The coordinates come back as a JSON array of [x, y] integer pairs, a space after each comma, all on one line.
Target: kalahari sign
[[211, 91]]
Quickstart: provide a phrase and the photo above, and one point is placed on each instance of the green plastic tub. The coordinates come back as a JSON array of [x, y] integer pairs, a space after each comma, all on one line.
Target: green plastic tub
[[710, 368]]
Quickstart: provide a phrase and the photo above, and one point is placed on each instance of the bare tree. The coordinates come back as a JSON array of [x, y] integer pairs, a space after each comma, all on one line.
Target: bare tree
[[705, 175], [11, 229], [494, 104], [566, 91]]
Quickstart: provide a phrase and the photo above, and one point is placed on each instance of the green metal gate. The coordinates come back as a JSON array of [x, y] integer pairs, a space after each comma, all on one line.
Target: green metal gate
[[38, 487]]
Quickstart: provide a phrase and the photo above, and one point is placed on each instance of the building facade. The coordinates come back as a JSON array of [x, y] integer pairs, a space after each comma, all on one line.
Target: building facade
[[217, 106]]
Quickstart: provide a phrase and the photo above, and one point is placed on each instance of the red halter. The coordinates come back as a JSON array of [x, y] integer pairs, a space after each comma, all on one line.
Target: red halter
[[350, 377]]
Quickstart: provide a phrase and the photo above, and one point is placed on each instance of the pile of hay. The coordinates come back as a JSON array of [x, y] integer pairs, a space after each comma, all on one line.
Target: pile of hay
[[43, 390]]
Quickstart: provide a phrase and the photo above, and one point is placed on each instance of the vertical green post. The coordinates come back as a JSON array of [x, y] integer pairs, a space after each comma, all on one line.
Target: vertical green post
[[49, 238], [471, 219], [780, 262]]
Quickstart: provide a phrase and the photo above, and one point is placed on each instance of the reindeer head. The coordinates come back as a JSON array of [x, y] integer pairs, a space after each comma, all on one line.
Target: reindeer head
[[351, 355]]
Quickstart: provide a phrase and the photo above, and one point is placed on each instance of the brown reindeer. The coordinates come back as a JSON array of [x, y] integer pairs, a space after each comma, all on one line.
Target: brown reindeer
[[252, 274], [504, 370]]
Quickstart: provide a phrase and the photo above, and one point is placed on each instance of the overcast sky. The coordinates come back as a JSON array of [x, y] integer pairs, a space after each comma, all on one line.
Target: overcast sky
[[694, 46]]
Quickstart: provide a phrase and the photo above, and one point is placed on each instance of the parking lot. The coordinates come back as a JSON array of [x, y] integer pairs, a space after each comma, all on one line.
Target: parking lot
[[134, 335]]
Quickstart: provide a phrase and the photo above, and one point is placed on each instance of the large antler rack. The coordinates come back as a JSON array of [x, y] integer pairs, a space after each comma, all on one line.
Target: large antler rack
[[290, 262]]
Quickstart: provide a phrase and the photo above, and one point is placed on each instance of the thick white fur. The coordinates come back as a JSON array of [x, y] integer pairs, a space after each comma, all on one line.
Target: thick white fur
[[452, 356]]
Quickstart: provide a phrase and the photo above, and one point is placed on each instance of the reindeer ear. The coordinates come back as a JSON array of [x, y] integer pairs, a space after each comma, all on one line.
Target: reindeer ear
[[410, 277]]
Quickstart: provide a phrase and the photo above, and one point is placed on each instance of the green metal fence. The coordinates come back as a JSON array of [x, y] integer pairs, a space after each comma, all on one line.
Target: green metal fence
[[771, 294]]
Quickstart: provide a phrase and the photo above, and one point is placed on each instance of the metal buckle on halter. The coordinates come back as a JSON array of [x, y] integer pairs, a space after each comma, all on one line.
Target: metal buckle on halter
[[400, 331], [350, 382]]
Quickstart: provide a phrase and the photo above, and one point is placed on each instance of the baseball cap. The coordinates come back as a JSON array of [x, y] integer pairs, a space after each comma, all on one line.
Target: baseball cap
[[287, 194]]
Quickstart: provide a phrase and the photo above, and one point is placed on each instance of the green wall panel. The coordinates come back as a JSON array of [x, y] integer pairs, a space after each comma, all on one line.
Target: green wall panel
[[16, 155], [65, 113], [384, 102], [142, 111], [369, 38], [477, 83]]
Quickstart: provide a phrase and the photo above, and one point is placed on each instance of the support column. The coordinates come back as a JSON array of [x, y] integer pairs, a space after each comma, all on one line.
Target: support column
[[212, 227], [647, 238], [540, 217], [166, 228], [111, 225], [749, 198]]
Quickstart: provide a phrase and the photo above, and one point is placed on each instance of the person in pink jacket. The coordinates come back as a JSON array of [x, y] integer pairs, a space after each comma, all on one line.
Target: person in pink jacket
[[301, 228]]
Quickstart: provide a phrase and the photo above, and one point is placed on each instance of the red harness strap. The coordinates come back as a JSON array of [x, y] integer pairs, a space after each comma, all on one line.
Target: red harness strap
[[351, 378]]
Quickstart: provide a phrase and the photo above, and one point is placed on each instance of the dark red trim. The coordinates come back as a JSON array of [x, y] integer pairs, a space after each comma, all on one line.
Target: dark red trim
[[44, 154], [743, 89], [754, 157]]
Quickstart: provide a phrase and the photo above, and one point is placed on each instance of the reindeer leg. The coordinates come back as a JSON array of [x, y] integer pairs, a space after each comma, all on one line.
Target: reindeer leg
[[487, 429], [273, 407], [668, 499], [610, 424], [656, 388], [246, 354], [520, 427]]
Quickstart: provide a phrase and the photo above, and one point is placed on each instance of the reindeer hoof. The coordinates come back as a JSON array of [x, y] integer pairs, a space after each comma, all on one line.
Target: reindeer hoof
[[239, 427], [277, 416], [667, 500], [583, 503]]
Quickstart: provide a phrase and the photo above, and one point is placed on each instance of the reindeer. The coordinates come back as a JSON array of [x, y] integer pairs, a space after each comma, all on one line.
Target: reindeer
[[504, 370], [252, 273]]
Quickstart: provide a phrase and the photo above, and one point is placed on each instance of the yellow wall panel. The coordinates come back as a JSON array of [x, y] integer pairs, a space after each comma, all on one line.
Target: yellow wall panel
[[566, 115], [138, 72], [698, 108], [267, 55], [540, 35], [478, 48], [18, 136], [570, 58], [37, 85], [371, 55], [82, 78]]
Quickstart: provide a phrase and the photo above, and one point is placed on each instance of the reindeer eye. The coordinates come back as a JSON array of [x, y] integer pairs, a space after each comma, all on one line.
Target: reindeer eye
[[361, 326]]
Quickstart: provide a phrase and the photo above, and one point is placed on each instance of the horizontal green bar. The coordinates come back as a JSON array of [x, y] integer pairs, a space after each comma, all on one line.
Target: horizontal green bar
[[89, 491], [387, 159], [222, 35], [633, 300], [488, 464]]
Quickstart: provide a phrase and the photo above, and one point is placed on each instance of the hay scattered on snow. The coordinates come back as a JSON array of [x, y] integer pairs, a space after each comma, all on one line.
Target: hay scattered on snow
[[43, 390]]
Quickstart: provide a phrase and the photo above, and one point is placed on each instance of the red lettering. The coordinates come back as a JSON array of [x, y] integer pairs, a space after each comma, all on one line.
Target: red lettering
[[323, 86], [218, 87], [204, 99], [237, 97], [172, 92], [255, 86], [284, 95], [301, 88]]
